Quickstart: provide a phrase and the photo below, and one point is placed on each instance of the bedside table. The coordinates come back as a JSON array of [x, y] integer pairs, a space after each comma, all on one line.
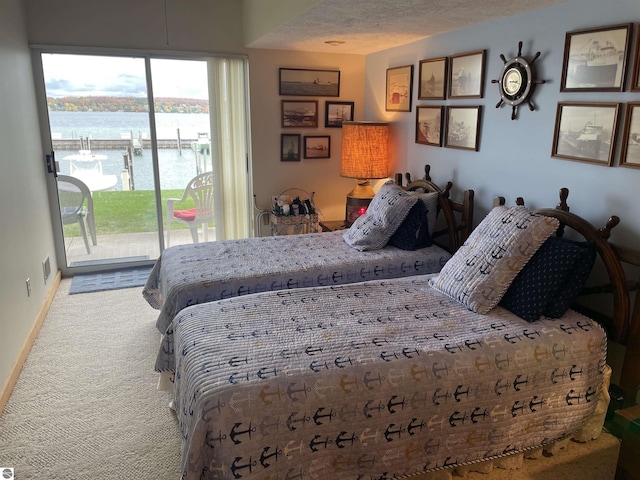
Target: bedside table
[[332, 225]]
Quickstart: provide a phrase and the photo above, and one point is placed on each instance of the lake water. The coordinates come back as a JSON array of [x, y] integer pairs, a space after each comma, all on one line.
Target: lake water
[[175, 169]]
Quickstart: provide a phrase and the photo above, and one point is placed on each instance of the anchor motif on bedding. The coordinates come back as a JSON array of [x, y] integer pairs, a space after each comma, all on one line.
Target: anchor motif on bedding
[[437, 396], [346, 384], [265, 395], [367, 380], [416, 374], [210, 439], [237, 361], [341, 439], [501, 387], [536, 403], [313, 444], [292, 420], [389, 432], [264, 456], [367, 408], [290, 448], [482, 363], [318, 416], [266, 372], [266, 427], [289, 475], [415, 426], [574, 373], [237, 433], [502, 362], [457, 418], [236, 377], [318, 365], [460, 392], [388, 357], [512, 338], [539, 354], [364, 436], [236, 467], [391, 404], [437, 371], [292, 393], [573, 398], [518, 381]]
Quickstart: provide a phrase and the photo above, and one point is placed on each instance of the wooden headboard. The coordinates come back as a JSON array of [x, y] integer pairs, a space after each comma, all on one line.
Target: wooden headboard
[[623, 324]]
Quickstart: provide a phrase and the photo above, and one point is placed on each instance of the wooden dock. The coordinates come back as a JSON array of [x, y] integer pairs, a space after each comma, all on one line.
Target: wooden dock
[[117, 144]]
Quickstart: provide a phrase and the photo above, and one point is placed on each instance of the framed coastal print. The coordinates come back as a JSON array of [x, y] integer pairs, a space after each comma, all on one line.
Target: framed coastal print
[[289, 147], [595, 59], [630, 152], [429, 125], [314, 83], [299, 114], [337, 112], [586, 132], [466, 75], [317, 146], [463, 127], [635, 78], [399, 89], [432, 79]]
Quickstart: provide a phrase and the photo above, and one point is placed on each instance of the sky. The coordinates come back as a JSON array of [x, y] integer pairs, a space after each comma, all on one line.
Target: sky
[[83, 75]]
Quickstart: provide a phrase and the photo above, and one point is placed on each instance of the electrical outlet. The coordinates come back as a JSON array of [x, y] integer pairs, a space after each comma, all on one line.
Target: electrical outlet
[[46, 269], [28, 287]]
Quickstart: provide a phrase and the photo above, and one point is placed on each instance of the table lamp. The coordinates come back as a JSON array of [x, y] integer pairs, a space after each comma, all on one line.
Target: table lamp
[[365, 155]]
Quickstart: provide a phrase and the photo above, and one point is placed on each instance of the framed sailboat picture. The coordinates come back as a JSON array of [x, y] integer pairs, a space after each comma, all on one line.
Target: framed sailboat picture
[[432, 79], [595, 59], [337, 112], [304, 82]]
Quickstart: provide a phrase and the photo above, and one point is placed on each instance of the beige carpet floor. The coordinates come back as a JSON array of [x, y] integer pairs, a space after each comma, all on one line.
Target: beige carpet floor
[[86, 406]]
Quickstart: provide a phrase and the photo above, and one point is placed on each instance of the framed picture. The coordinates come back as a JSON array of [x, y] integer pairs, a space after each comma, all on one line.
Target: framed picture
[[317, 146], [466, 75], [399, 89], [595, 59], [314, 83], [635, 78], [429, 125], [432, 79], [337, 112], [299, 113], [586, 132], [289, 147], [463, 127], [630, 153]]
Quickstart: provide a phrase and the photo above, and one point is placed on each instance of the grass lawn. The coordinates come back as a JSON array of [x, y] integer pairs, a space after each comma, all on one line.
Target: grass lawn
[[129, 212]]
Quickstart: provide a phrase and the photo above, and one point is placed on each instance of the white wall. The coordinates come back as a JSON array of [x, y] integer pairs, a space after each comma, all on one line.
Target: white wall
[[515, 156], [25, 236], [322, 176]]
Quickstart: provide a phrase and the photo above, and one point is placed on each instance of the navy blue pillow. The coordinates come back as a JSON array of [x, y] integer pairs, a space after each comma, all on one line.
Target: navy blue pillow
[[542, 285], [413, 232], [574, 282]]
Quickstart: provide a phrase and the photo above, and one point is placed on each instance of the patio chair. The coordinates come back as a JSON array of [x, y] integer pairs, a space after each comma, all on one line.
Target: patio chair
[[76, 206], [200, 190]]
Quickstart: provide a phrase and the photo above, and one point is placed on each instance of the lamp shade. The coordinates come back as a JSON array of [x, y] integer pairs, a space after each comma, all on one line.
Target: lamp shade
[[365, 150]]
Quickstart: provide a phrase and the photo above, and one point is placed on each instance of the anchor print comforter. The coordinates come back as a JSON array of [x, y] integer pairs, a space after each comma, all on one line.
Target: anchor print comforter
[[373, 380], [197, 273]]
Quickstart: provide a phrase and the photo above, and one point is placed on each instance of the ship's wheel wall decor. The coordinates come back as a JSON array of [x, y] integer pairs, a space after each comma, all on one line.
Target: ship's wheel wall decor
[[517, 82]]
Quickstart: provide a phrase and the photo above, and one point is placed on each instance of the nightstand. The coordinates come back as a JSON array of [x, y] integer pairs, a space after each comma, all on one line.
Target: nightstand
[[332, 225]]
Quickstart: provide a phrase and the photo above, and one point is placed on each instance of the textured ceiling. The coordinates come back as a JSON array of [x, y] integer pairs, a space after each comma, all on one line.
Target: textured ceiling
[[368, 26]]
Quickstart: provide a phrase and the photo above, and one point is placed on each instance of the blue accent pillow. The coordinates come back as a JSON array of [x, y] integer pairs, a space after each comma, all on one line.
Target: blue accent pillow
[[575, 281], [413, 232], [542, 286]]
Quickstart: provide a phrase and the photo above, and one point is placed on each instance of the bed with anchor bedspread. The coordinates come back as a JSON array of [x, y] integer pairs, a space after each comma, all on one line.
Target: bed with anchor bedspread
[[186, 275], [377, 379]]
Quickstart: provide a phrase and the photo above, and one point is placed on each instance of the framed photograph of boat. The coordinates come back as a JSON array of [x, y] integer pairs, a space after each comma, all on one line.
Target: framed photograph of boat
[[463, 127], [630, 152], [432, 79], [586, 132], [399, 89], [313, 83], [337, 112], [317, 146], [595, 59], [466, 75], [429, 125], [635, 78], [289, 147], [299, 113]]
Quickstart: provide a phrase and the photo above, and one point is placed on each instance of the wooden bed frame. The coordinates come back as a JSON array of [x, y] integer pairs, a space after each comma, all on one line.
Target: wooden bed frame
[[623, 326]]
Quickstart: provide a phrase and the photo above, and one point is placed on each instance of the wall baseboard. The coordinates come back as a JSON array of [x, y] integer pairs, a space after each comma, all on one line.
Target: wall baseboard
[[8, 387]]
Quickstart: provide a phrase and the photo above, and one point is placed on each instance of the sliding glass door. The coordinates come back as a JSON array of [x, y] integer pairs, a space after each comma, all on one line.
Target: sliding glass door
[[127, 134]]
